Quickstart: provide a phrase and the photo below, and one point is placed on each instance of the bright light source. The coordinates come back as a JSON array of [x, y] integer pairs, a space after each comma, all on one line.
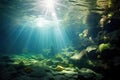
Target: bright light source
[[42, 30], [47, 8], [49, 4], [42, 22]]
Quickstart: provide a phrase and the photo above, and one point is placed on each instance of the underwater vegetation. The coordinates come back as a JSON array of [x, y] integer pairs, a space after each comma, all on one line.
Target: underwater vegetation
[[103, 46]]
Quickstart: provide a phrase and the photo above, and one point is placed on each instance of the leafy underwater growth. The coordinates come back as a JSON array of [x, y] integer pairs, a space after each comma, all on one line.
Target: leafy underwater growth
[[103, 46]]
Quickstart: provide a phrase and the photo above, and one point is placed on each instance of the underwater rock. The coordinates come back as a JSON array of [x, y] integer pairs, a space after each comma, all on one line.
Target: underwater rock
[[71, 75], [59, 68], [91, 48], [79, 56], [59, 57], [65, 75], [46, 72], [38, 72], [69, 72], [37, 57], [50, 62], [66, 70], [106, 21], [88, 74], [22, 64], [6, 58], [25, 77], [50, 75], [8, 73], [64, 63], [60, 77], [103, 21], [28, 69], [104, 4], [84, 34]]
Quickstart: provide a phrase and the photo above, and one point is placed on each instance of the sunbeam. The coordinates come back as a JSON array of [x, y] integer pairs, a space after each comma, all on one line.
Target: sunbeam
[[43, 31]]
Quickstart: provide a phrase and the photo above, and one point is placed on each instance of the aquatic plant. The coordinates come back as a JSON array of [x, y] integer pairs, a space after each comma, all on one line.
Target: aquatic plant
[[103, 46]]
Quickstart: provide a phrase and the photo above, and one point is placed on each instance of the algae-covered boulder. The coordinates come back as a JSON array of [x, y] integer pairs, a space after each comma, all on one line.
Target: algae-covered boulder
[[104, 46]]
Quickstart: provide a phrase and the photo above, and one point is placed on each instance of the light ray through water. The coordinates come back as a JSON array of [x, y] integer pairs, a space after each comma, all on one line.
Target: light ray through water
[[46, 31]]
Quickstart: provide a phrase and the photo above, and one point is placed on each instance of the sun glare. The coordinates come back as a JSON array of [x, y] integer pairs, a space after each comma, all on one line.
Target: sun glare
[[47, 8], [44, 26], [42, 22], [49, 4]]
